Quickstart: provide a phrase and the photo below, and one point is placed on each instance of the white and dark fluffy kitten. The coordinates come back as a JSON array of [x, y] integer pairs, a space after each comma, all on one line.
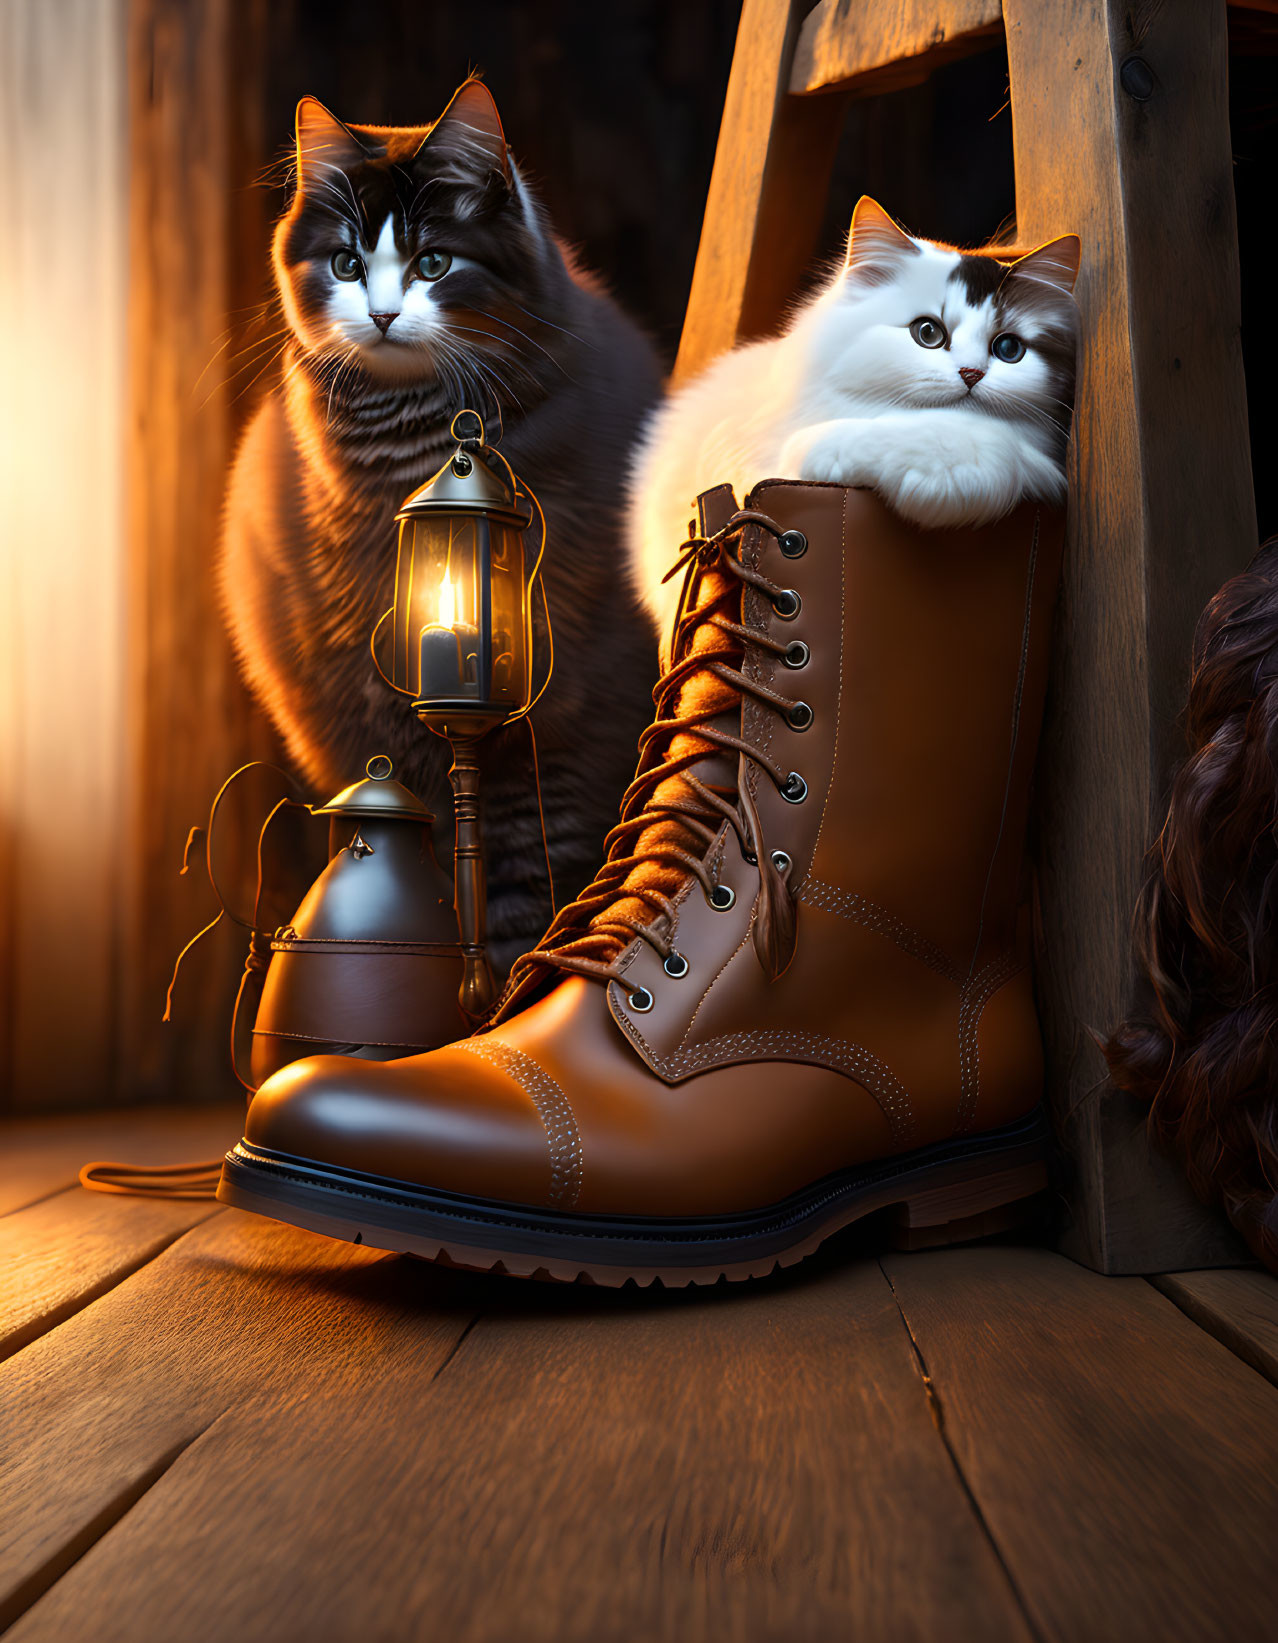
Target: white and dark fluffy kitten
[[942, 379], [418, 275]]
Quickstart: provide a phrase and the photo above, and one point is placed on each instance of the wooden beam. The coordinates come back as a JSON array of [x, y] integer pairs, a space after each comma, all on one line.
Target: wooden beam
[[197, 251], [767, 192], [845, 44], [1121, 125]]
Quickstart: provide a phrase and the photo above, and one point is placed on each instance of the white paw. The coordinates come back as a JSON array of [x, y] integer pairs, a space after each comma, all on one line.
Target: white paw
[[953, 475], [950, 498], [830, 458]]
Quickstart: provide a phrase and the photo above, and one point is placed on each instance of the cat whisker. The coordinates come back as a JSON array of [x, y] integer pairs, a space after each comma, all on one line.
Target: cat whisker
[[489, 365], [497, 320], [344, 179], [466, 367], [344, 206], [279, 171], [255, 347], [422, 189], [351, 354], [257, 376], [504, 386], [475, 331], [262, 365], [507, 371], [542, 320], [220, 353]]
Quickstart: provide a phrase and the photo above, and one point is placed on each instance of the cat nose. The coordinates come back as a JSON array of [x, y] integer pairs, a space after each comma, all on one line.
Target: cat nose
[[970, 374], [383, 321]]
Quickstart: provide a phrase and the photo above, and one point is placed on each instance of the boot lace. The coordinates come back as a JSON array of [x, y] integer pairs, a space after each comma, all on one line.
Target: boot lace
[[670, 815]]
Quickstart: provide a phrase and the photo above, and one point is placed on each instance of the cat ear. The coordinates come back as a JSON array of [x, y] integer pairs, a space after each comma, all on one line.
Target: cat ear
[[876, 243], [323, 141], [469, 134], [1053, 264]]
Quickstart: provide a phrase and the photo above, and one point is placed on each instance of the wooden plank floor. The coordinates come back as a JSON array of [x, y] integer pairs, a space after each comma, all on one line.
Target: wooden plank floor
[[218, 1429]]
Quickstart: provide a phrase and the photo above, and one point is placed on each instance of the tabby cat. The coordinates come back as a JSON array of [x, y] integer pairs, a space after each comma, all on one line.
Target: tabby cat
[[418, 274]]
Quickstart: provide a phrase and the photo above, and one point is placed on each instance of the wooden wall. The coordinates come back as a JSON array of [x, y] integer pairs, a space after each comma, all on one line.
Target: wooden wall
[[197, 228], [63, 194], [128, 141]]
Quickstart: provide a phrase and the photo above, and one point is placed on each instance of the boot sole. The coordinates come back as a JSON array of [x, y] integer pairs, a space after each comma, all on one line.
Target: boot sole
[[947, 1193]]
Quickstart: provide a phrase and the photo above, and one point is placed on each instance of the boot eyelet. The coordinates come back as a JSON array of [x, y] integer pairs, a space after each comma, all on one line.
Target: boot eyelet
[[641, 1001], [796, 654], [793, 544], [794, 789], [800, 716], [721, 897], [781, 862], [676, 965], [787, 604]]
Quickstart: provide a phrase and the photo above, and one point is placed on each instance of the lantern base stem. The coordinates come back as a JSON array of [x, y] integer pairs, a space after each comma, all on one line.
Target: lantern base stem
[[478, 989]]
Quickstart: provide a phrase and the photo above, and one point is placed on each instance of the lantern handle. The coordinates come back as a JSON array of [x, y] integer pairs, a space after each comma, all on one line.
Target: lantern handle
[[534, 579], [472, 441], [224, 909], [479, 441], [372, 651]]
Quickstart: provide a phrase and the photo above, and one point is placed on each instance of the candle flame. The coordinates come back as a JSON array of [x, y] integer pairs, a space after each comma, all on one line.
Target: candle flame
[[447, 602]]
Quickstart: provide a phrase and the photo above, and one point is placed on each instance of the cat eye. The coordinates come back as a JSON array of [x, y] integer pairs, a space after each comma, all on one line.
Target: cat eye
[[929, 333], [1007, 348], [347, 266], [433, 265]]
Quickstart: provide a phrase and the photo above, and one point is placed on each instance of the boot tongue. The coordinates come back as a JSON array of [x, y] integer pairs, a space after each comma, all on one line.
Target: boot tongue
[[700, 692]]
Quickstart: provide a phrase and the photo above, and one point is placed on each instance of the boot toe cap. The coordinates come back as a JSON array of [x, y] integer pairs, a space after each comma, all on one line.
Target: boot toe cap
[[448, 1121]]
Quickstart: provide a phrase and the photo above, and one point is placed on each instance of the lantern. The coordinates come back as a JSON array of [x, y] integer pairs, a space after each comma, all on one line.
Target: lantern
[[460, 641]]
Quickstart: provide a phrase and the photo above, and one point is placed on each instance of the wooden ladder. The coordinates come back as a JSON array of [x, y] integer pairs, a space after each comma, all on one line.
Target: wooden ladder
[[1121, 134]]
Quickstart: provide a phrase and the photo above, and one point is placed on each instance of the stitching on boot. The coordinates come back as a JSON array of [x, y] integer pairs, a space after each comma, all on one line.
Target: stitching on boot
[[849, 904], [841, 1054], [975, 996], [716, 864], [743, 943], [553, 1109]]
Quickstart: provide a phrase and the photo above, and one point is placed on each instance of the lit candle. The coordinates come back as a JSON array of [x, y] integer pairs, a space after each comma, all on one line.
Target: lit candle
[[447, 602], [448, 650], [441, 663]]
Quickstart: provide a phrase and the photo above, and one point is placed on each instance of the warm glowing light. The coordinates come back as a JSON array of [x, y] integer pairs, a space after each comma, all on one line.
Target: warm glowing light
[[447, 602]]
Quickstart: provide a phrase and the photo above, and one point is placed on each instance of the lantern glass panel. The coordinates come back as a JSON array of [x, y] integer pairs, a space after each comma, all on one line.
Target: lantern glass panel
[[439, 608], [508, 684]]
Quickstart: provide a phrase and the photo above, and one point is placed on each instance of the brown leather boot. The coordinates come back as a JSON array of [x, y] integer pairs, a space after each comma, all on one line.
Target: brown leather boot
[[795, 994]]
